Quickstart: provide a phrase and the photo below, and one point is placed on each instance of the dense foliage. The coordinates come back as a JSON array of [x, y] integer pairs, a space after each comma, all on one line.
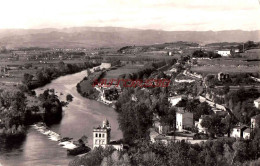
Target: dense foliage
[[12, 112], [202, 54], [241, 104], [45, 75], [86, 86], [223, 152]]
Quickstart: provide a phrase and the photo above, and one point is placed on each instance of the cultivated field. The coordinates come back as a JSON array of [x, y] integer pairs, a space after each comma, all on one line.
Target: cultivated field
[[226, 65], [122, 70], [15, 69], [225, 69], [228, 62], [252, 54]]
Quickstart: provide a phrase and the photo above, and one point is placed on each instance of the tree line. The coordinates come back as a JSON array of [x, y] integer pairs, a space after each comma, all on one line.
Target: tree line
[[45, 75]]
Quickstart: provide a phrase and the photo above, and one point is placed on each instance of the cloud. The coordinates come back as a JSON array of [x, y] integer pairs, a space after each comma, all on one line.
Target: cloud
[[151, 14]]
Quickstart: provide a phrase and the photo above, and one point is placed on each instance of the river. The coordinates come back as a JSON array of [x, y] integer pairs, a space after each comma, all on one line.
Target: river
[[79, 118]]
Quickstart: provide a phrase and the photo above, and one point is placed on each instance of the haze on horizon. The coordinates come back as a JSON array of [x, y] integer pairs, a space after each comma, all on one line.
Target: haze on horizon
[[171, 15]]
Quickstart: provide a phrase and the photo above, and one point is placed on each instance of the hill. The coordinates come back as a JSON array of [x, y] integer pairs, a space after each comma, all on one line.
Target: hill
[[114, 37]]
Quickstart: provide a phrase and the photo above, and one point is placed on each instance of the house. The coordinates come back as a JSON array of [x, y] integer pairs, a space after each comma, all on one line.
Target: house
[[153, 134], [1, 126], [236, 50], [184, 119], [184, 80], [255, 120], [217, 107], [159, 127], [175, 99], [257, 102], [13, 67], [246, 133], [217, 111], [239, 132], [222, 76], [198, 125], [224, 53], [105, 65], [101, 137], [169, 72]]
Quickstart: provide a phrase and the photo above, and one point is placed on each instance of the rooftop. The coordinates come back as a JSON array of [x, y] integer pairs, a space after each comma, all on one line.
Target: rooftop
[[224, 50], [247, 130], [175, 97], [181, 111], [254, 117], [257, 100], [240, 127]]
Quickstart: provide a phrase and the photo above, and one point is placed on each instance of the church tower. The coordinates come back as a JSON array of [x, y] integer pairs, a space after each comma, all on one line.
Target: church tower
[[101, 134]]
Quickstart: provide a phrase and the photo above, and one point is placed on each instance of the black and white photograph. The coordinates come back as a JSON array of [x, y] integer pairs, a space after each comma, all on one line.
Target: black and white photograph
[[129, 82]]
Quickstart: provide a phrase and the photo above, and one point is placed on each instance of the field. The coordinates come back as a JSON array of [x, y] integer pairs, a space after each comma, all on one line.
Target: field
[[142, 57], [14, 76], [252, 54], [122, 70], [225, 69], [228, 62], [226, 65]]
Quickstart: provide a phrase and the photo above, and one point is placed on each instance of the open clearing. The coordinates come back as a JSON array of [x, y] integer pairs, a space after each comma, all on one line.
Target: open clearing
[[122, 70]]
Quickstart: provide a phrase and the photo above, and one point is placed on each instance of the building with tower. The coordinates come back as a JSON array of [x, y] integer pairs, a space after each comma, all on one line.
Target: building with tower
[[101, 136]]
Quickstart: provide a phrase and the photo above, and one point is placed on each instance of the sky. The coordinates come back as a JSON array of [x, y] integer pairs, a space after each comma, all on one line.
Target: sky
[[170, 15]]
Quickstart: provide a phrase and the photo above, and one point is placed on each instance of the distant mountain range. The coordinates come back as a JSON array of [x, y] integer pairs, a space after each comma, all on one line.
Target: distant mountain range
[[114, 37]]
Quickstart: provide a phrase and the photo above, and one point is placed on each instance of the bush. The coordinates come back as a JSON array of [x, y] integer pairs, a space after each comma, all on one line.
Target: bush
[[69, 97], [199, 136]]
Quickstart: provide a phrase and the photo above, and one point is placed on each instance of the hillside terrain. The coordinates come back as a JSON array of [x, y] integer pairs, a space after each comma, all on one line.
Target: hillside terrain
[[114, 37]]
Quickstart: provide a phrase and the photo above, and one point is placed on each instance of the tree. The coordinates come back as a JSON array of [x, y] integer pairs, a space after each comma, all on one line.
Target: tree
[[27, 65], [14, 104], [27, 78], [169, 117], [229, 122], [177, 154], [134, 120], [69, 97], [240, 151], [201, 109], [213, 123]]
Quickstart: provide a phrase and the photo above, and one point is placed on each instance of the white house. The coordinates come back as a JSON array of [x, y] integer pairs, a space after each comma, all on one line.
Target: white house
[[169, 72], [184, 119], [175, 100], [105, 65], [257, 102], [236, 50], [238, 132], [246, 133], [253, 121], [184, 80], [153, 134], [198, 125], [224, 53]]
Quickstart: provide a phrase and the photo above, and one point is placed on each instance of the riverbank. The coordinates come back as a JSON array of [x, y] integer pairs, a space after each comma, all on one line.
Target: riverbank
[[78, 119], [73, 147], [87, 89], [46, 75]]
